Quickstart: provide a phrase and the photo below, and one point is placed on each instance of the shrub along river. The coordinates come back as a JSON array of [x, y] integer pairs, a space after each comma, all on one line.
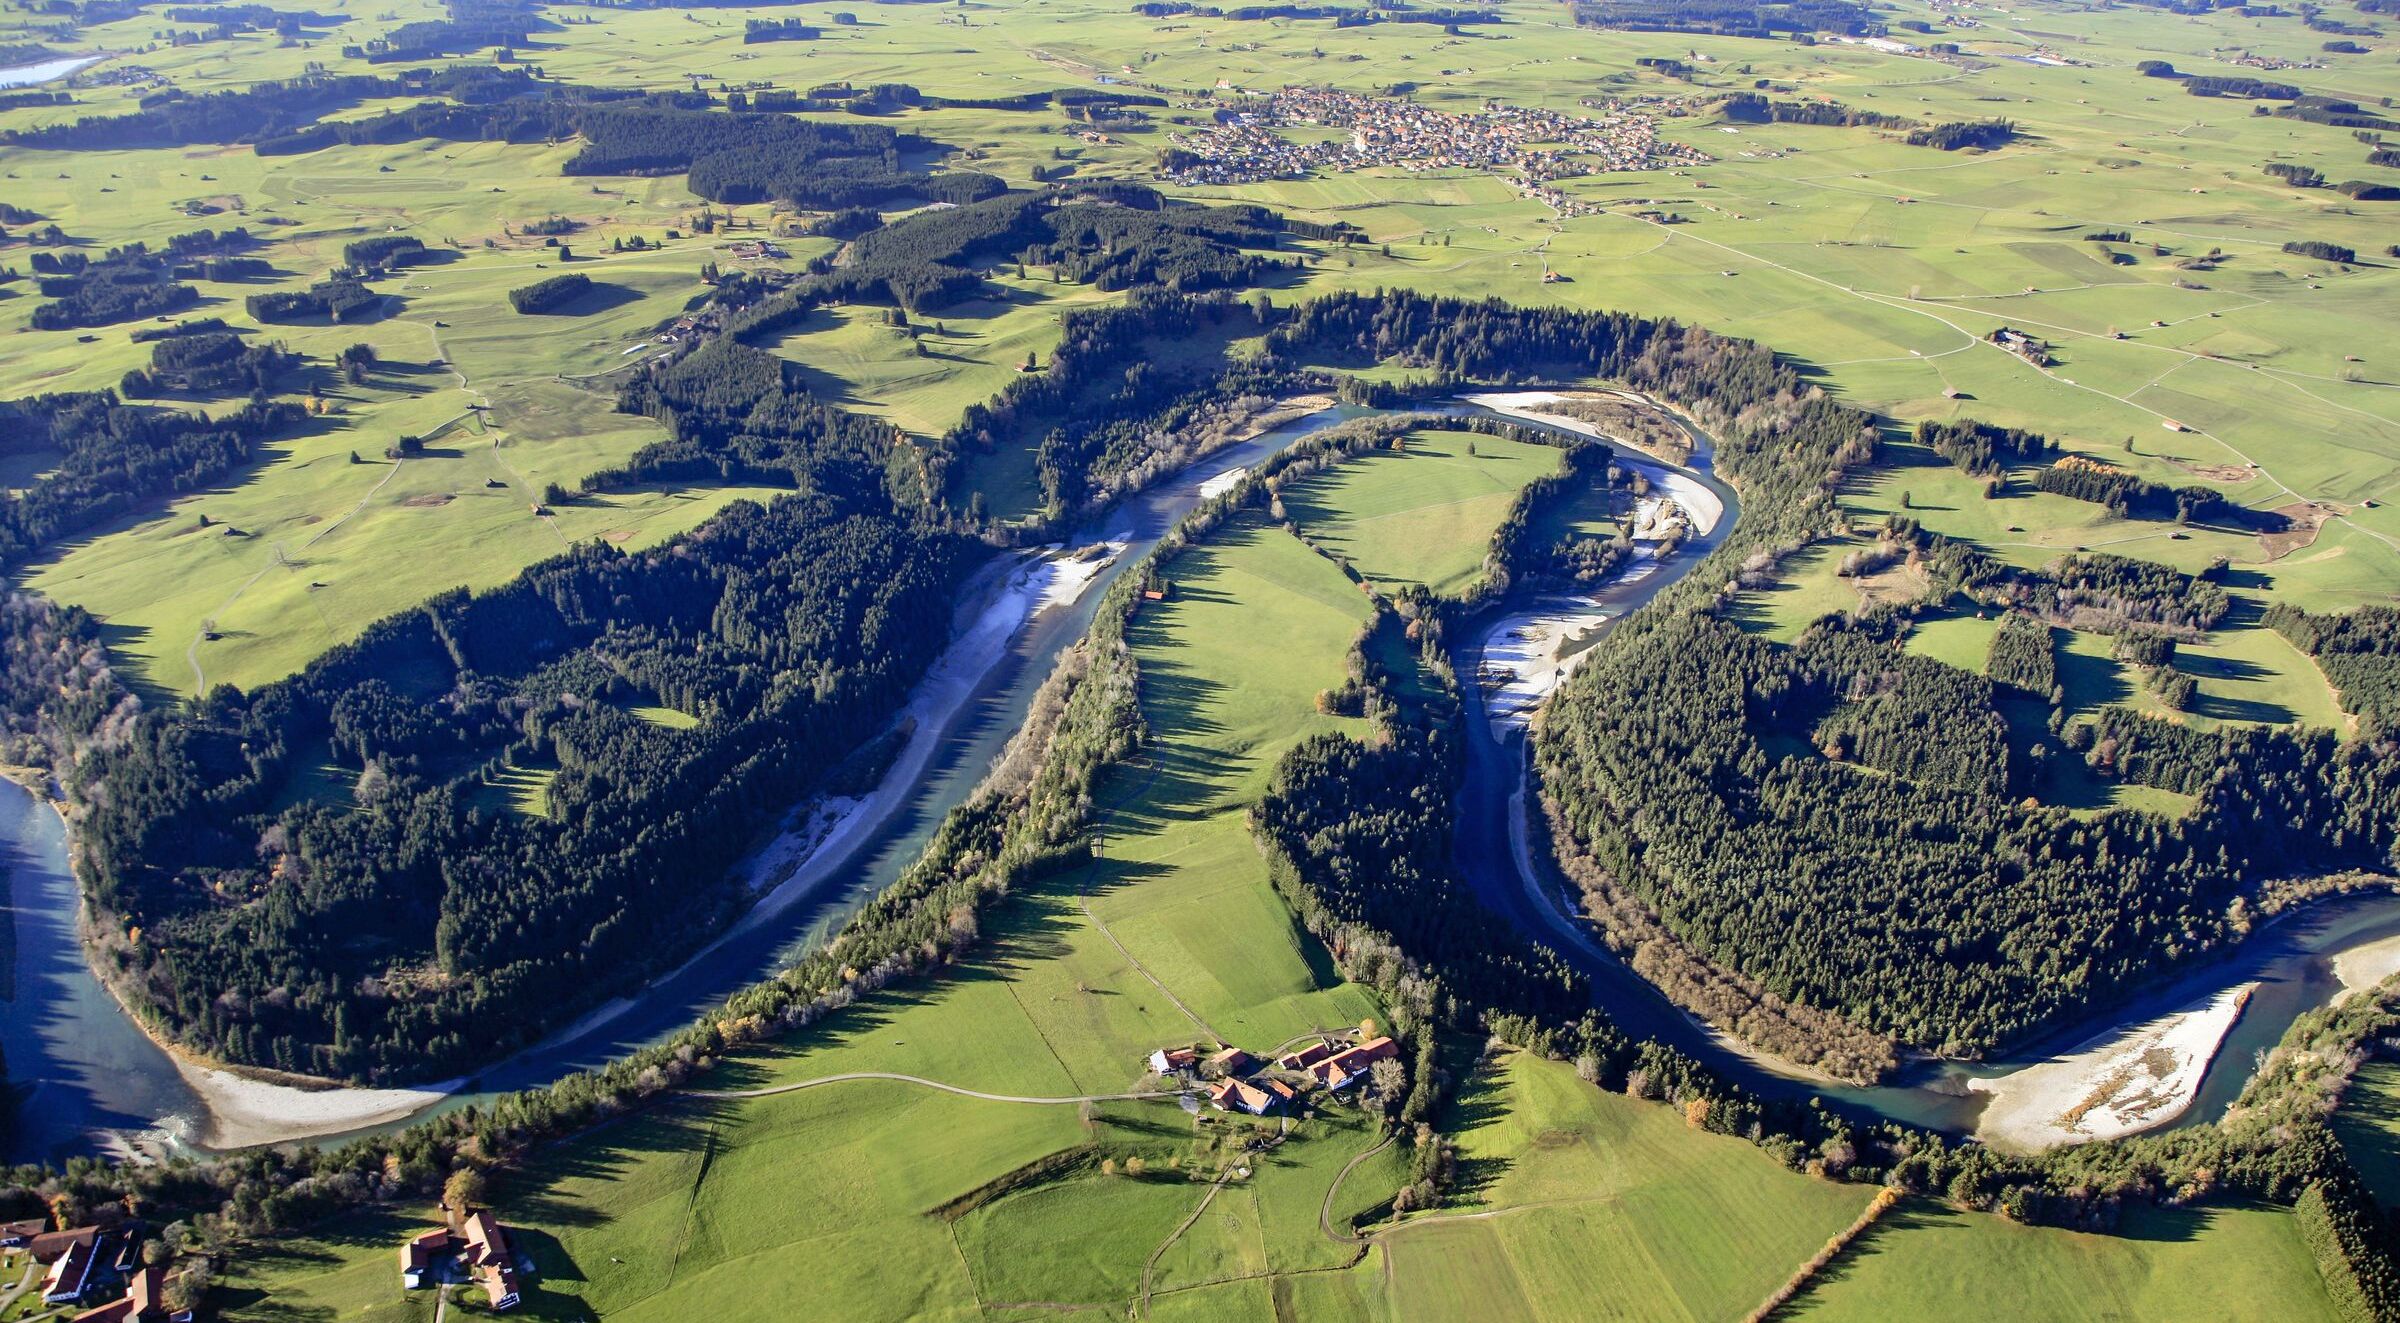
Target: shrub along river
[[89, 1077]]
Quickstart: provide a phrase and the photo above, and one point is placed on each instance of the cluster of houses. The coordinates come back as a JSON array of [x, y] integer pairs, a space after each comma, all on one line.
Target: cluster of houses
[[2033, 349], [476, 1251], [758, 250], [694, 328], [2269, 63], [137, 77], [1235, 1081], [1558, 200], [1247, 144], [83, 1264]]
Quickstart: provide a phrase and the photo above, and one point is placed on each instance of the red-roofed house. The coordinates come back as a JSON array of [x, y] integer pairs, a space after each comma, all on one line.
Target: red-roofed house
[[50, 1245], [1337, 1071], [144, 1301], [480, 1246], [490, 1259], [70, 1274], [1170, 1060], [1306, 1057], [423, 1254], [1231, 1061], [1242, 1096]]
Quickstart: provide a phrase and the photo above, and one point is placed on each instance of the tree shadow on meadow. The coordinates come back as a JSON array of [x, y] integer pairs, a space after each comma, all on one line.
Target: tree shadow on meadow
[[601, 297], [1482, 1103]]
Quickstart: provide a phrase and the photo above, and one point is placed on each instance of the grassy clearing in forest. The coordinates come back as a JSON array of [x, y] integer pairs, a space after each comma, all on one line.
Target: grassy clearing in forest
[[1421, 515]]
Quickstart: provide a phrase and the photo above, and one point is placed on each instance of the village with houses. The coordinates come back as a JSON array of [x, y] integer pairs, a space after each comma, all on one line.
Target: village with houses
[[1248, 143]]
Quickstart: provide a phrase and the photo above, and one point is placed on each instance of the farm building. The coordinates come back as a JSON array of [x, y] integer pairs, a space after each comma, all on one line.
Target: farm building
[[144, 1301], [70, 1276], [1336, 1072], [479, 1249], [1231, 1061], [49, 1246], [1260, 1097], [1307, 1056]]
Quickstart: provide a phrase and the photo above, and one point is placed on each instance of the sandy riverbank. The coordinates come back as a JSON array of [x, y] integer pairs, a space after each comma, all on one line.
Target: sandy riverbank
[[244, 1112], [2367, 964], [1222, 483], [2119, 1084], [1527, 655]]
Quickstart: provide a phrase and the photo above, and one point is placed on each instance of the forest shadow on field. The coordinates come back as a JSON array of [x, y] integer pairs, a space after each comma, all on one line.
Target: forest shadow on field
[[1482, 1103], [602, 296]]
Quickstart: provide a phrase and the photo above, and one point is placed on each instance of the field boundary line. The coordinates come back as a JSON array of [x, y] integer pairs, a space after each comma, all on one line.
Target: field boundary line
[[1081, 899], [1782, 1296]]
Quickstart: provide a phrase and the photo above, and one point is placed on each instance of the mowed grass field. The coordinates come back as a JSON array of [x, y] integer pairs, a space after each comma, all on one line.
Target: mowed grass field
[[1423, 515], [922, 378], [1924, 1260], [2245, 672], [1588, 1205], [2369, 1126]]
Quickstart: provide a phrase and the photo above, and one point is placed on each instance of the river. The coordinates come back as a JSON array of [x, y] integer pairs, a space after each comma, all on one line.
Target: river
[[93, 1079]]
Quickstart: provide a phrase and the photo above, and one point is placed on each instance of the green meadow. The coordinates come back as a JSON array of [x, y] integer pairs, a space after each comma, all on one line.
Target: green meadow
[[1583, 1204], [2369, 1126], [1422, 515], [1923, 1259], [324, 534]]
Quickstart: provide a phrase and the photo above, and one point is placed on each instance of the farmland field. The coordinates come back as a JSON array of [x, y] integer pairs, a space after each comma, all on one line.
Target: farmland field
[[1927, 1257], [1587, 1204], [2369, 1124], [1422, 515]]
